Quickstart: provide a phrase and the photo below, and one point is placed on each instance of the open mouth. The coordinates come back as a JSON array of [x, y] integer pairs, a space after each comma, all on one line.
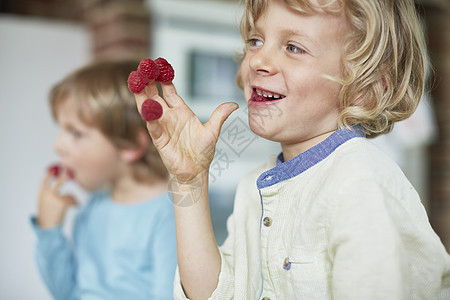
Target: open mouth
[[260, 95], [70, 171]]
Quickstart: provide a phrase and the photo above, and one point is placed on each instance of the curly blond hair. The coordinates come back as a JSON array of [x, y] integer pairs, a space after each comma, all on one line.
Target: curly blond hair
[[385, 63]]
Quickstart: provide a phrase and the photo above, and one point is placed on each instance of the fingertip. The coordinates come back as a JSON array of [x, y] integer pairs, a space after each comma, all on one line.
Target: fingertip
[[220, 115], [151, 110], [61, 179], [72, 202], [69, 200], [47, 177], [233, 105], [228, 108]]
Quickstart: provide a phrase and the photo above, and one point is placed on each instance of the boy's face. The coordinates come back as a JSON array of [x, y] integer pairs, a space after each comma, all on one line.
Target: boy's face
[[287, 55], [94, 160]]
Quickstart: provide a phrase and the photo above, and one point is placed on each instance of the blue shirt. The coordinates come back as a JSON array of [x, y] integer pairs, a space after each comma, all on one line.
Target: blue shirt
[[118, 251]]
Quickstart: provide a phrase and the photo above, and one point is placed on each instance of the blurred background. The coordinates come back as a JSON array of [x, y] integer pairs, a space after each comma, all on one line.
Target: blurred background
[[41, 41]]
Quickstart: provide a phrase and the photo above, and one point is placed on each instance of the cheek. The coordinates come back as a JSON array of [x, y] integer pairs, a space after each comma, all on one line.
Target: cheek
[[244, 71], [314, 96], [314, 84], [102, 160], [93, 159], [94, 170]]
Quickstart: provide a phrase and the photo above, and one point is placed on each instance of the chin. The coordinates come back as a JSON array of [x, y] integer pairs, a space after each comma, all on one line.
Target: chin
[[264, 130], [87, 186]]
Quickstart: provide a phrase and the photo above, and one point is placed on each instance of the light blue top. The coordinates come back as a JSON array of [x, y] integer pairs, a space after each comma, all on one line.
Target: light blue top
[[118, 251]]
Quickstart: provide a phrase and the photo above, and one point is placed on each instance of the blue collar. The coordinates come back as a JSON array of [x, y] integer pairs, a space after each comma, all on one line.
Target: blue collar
[[302, 162]]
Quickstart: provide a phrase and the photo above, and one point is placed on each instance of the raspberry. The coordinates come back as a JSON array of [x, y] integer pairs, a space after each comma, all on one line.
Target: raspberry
[[166, 72], [137, 81], [151, 110], [149, 67], [54, 170]]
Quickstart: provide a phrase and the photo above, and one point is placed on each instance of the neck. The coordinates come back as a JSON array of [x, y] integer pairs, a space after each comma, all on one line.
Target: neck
[[128, 190]]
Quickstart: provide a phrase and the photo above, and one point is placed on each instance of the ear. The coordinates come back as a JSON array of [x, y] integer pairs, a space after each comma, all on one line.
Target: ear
[[133, 154]]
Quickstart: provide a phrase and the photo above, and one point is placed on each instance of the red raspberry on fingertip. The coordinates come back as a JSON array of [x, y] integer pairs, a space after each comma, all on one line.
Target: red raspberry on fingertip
[[166, 72], [151, 110], [137, 81], [149, 67], [54, 170]]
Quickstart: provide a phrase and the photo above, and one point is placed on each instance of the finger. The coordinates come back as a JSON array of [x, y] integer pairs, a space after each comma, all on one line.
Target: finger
[[69, 200], [154, 127], [170, 94], [141, 97], [60, 180], [152, 90], [47, 179], [218, 117]]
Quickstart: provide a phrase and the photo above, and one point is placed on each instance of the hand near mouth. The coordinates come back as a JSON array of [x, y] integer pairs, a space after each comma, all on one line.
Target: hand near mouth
[[52, 204]]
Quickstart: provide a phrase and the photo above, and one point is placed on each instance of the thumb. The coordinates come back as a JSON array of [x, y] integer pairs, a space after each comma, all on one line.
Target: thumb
[[69, 200], [220, 114]]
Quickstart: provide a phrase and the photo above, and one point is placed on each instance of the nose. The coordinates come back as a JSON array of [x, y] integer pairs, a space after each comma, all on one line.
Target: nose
[[263, 61]]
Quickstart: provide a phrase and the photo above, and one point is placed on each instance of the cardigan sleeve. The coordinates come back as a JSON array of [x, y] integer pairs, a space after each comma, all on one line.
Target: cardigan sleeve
[[225, 287], [233, 268], [164, 258], [382, 245], [55, 261]]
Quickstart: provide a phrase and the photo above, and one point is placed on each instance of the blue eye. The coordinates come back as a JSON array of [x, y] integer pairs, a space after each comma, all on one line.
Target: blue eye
[[254, 43], [294, 49]]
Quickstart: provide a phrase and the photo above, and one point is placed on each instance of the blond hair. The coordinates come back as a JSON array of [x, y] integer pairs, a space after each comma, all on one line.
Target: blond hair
[[385, 62], [101, 96]]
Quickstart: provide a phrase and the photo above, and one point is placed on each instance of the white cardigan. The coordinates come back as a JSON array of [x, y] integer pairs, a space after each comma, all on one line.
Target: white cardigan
[[339, 221]]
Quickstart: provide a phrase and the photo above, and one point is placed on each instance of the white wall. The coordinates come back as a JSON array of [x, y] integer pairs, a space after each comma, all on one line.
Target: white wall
[[34, 54]]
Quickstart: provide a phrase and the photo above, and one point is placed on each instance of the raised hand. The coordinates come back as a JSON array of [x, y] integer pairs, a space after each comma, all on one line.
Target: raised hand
[[52, 204], [187, 147], [185, 144]]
